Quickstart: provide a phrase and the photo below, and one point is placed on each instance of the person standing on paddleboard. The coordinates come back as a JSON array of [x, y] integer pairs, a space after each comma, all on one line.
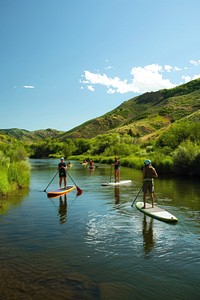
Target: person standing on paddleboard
[[149, 173], [62, 173], [116, 165]]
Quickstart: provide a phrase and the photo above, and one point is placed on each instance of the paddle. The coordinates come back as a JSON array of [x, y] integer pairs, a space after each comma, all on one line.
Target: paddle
[[79, 191], [136, 197], [50, 181]]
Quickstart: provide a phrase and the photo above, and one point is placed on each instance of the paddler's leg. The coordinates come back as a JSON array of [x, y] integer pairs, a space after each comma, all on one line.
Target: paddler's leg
[[65, 183], [144, 189], [152, 193], [117, 175], [152, 199], [60, 182]]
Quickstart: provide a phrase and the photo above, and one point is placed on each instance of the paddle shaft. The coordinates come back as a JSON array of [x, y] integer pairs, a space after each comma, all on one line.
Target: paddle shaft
[[79, 191], [51, 181], [136, 197]]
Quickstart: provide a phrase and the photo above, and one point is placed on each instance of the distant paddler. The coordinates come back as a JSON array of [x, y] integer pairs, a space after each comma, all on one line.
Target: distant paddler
[[116, 165], [91, 165], [69, 165], [84, 163]]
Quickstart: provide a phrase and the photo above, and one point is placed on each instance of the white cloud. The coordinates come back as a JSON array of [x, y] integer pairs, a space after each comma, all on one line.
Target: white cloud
[[90, 88], [189, 78], [25, 86], [144, 79], [109, 67], [177, 69], [28, 86], [148, 78], [110, 91], [195, 62], [186, 78], [168, 68], [196, 76]]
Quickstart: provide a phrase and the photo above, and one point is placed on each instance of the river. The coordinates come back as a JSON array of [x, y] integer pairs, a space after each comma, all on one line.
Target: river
[[96, 246]]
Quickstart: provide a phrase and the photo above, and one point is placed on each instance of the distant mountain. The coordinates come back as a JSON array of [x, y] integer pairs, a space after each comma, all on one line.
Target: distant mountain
[[30, 136], [145, 114]]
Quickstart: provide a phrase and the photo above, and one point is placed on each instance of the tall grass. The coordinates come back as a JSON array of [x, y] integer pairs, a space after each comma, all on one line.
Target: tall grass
[[4, 183], [14, 169]]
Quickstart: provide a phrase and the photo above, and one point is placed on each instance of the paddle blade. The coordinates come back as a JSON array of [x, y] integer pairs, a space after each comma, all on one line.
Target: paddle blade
[[79, 191]]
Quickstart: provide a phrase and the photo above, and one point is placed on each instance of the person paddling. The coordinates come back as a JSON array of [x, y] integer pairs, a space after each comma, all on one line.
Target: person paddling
[[148, 175], [116, 169], [62, 173]]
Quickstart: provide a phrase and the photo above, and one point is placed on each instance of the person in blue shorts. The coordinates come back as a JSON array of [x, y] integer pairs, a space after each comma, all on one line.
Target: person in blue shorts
[[148, 175]]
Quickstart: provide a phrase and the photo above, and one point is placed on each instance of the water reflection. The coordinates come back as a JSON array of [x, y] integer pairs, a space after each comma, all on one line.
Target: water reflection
[[13, 199], [117, 195], [148, 240], [62, 210], [91, 170]]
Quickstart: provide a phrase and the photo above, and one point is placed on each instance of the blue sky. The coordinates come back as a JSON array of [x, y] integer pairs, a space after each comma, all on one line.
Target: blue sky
[[64, 62]]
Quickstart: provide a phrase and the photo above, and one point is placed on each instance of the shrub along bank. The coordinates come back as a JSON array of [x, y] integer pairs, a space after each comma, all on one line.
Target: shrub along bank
[[14, 167], [176, 152]]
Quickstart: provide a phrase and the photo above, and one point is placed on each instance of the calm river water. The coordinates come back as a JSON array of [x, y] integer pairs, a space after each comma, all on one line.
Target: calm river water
[[96, 246]]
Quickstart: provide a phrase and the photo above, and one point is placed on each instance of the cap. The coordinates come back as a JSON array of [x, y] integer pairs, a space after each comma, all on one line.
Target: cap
[[147, 162], [62, 158]]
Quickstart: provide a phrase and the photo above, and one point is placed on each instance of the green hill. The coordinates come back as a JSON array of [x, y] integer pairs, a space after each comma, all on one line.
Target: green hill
[[30, 136], [145, 114]]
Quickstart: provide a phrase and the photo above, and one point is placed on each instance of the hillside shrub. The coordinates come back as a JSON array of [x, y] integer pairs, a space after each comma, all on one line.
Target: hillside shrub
[[184, 157], [195, 166]]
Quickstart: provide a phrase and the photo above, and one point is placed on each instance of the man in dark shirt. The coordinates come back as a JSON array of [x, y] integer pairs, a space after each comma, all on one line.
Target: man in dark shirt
[[62, 173]]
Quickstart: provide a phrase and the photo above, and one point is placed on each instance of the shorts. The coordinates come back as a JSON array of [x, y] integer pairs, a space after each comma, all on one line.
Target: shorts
[[148, 186], [62, 174]]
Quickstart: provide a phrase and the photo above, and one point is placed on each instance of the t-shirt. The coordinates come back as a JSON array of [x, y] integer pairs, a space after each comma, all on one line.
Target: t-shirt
[[61, 170]]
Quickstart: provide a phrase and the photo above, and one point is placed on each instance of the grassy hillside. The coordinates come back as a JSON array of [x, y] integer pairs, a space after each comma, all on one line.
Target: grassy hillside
[[145, 114]]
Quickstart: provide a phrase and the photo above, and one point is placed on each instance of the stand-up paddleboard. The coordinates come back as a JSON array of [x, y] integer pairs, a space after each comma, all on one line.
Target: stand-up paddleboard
[[62, 191], [156, 212], [122, 182]]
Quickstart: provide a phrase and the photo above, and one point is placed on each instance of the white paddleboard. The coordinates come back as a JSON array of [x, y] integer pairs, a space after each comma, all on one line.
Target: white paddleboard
[[122, 182], [156, 212]]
